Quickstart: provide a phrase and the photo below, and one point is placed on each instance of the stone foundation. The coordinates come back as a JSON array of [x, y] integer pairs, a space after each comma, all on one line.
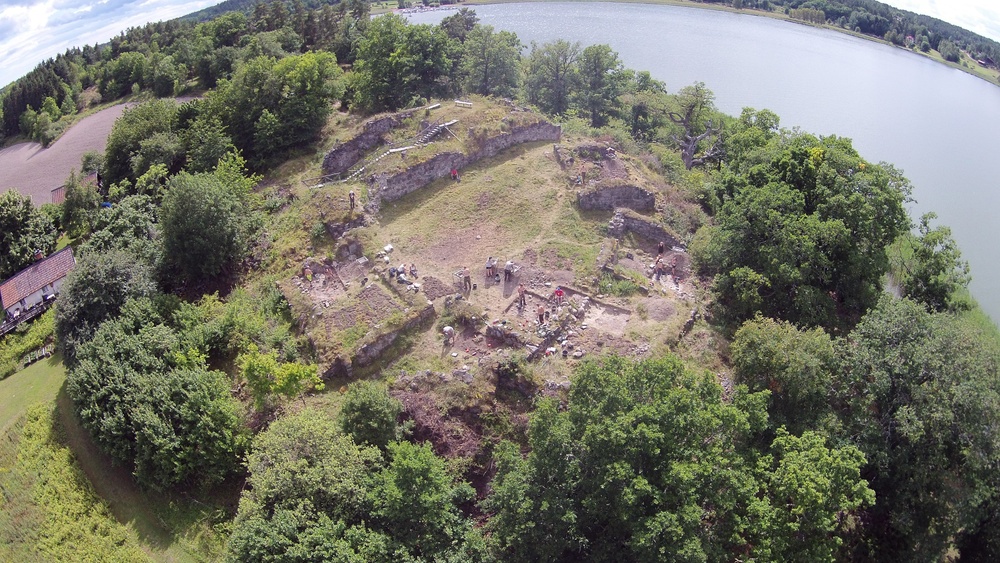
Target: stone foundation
[[389, 188], [626, 221], [617, 195], [342, 157]]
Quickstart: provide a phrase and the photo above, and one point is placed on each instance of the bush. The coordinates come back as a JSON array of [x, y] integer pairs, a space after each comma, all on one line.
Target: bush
[[609, 285], [26, 338], [370, 415]]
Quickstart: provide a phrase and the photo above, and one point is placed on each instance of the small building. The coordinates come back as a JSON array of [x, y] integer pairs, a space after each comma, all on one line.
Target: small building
[[37, 284]]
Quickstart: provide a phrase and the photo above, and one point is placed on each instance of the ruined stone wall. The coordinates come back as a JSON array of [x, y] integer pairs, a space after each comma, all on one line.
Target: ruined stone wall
[[625, 221], [390, 188], [342, 157], [615, 196], [371, 351]]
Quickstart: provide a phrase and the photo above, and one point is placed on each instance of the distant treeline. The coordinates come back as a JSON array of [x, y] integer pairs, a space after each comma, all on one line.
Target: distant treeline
[[252, 6], [167, 57], [899, 27]]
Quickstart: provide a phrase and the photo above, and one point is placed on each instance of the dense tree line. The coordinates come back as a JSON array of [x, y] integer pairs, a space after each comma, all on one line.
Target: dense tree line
[[900, 27]]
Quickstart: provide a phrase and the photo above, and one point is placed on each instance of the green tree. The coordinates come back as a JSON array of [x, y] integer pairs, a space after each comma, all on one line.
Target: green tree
[[136, 125], [96, 290], [461, 24], [370, 415], [80, 206], [645, 104], [206, 227], [949, 51], [267, 377], [923, 407], [551, 75], [159, 149], [23, 231], [400, 64], [205, 142], [119, 75], [796, 366], [174, 426], [936, 272], [818, 493], [602, 80], [297, 91], [165, 76], [647, 462], [491, 62], [699, 130], [130, 225], [308, 488], [802, 232], [416, 500], [50, 107]]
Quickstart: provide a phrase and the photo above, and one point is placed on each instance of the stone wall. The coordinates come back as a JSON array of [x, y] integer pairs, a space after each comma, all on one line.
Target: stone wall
[[371, 351], [626, 221], [390, 188], [342, 157], [615, 196]]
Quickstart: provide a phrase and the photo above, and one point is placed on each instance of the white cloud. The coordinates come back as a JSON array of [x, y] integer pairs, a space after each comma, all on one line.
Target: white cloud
[[32, 31]]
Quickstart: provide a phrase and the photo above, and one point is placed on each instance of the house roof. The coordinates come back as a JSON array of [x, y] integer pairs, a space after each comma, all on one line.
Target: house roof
[[36, 277]]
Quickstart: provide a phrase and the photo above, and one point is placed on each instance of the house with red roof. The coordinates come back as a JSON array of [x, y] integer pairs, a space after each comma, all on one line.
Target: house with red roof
[[37, 284]]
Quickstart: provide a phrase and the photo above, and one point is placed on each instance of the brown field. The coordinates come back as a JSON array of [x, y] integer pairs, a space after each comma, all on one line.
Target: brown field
[[35, 171]]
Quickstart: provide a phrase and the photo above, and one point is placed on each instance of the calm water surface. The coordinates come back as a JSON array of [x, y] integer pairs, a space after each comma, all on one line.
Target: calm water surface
[[939, 125]]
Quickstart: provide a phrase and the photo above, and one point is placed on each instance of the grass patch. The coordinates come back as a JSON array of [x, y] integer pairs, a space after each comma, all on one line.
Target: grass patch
[[50, 511], [37, 383], [609, 285], [172, 526]]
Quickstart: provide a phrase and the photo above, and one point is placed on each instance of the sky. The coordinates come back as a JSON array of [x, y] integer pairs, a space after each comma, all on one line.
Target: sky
[[34, 30]]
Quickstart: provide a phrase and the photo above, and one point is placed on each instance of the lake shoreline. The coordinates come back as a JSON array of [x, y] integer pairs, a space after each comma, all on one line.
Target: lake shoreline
[[991, 76]]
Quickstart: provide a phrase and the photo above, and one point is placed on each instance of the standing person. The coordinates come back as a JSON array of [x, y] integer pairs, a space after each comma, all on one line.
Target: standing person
[[541, 314], [660, 247], [467, 278], [520, 294], [508, 271], [350, 197], [559, 295]]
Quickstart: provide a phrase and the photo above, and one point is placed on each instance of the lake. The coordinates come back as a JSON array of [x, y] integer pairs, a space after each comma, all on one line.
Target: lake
[[939, 125]]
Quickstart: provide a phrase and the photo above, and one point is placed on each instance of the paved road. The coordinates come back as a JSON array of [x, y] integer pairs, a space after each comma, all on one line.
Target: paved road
[[36, 171]]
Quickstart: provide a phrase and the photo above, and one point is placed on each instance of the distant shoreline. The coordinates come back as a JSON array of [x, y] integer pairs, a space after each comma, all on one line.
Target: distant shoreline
[[989, 75]]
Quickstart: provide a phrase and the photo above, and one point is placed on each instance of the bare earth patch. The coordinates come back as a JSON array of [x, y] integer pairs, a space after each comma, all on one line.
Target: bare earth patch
[[35, 171]]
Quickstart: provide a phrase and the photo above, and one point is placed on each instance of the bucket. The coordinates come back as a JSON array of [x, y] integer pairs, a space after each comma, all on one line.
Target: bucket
[[474, 286]]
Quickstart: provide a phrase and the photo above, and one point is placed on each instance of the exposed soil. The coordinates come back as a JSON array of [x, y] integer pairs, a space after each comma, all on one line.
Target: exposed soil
[[434, 288], [450, 436], [369, 307]]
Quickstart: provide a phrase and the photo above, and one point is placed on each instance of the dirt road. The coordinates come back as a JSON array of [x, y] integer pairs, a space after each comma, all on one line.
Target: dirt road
[[36, 171]]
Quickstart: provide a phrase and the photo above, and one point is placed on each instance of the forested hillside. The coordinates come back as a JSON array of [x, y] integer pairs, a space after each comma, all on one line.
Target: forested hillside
[[899, 27], [743, 348]]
